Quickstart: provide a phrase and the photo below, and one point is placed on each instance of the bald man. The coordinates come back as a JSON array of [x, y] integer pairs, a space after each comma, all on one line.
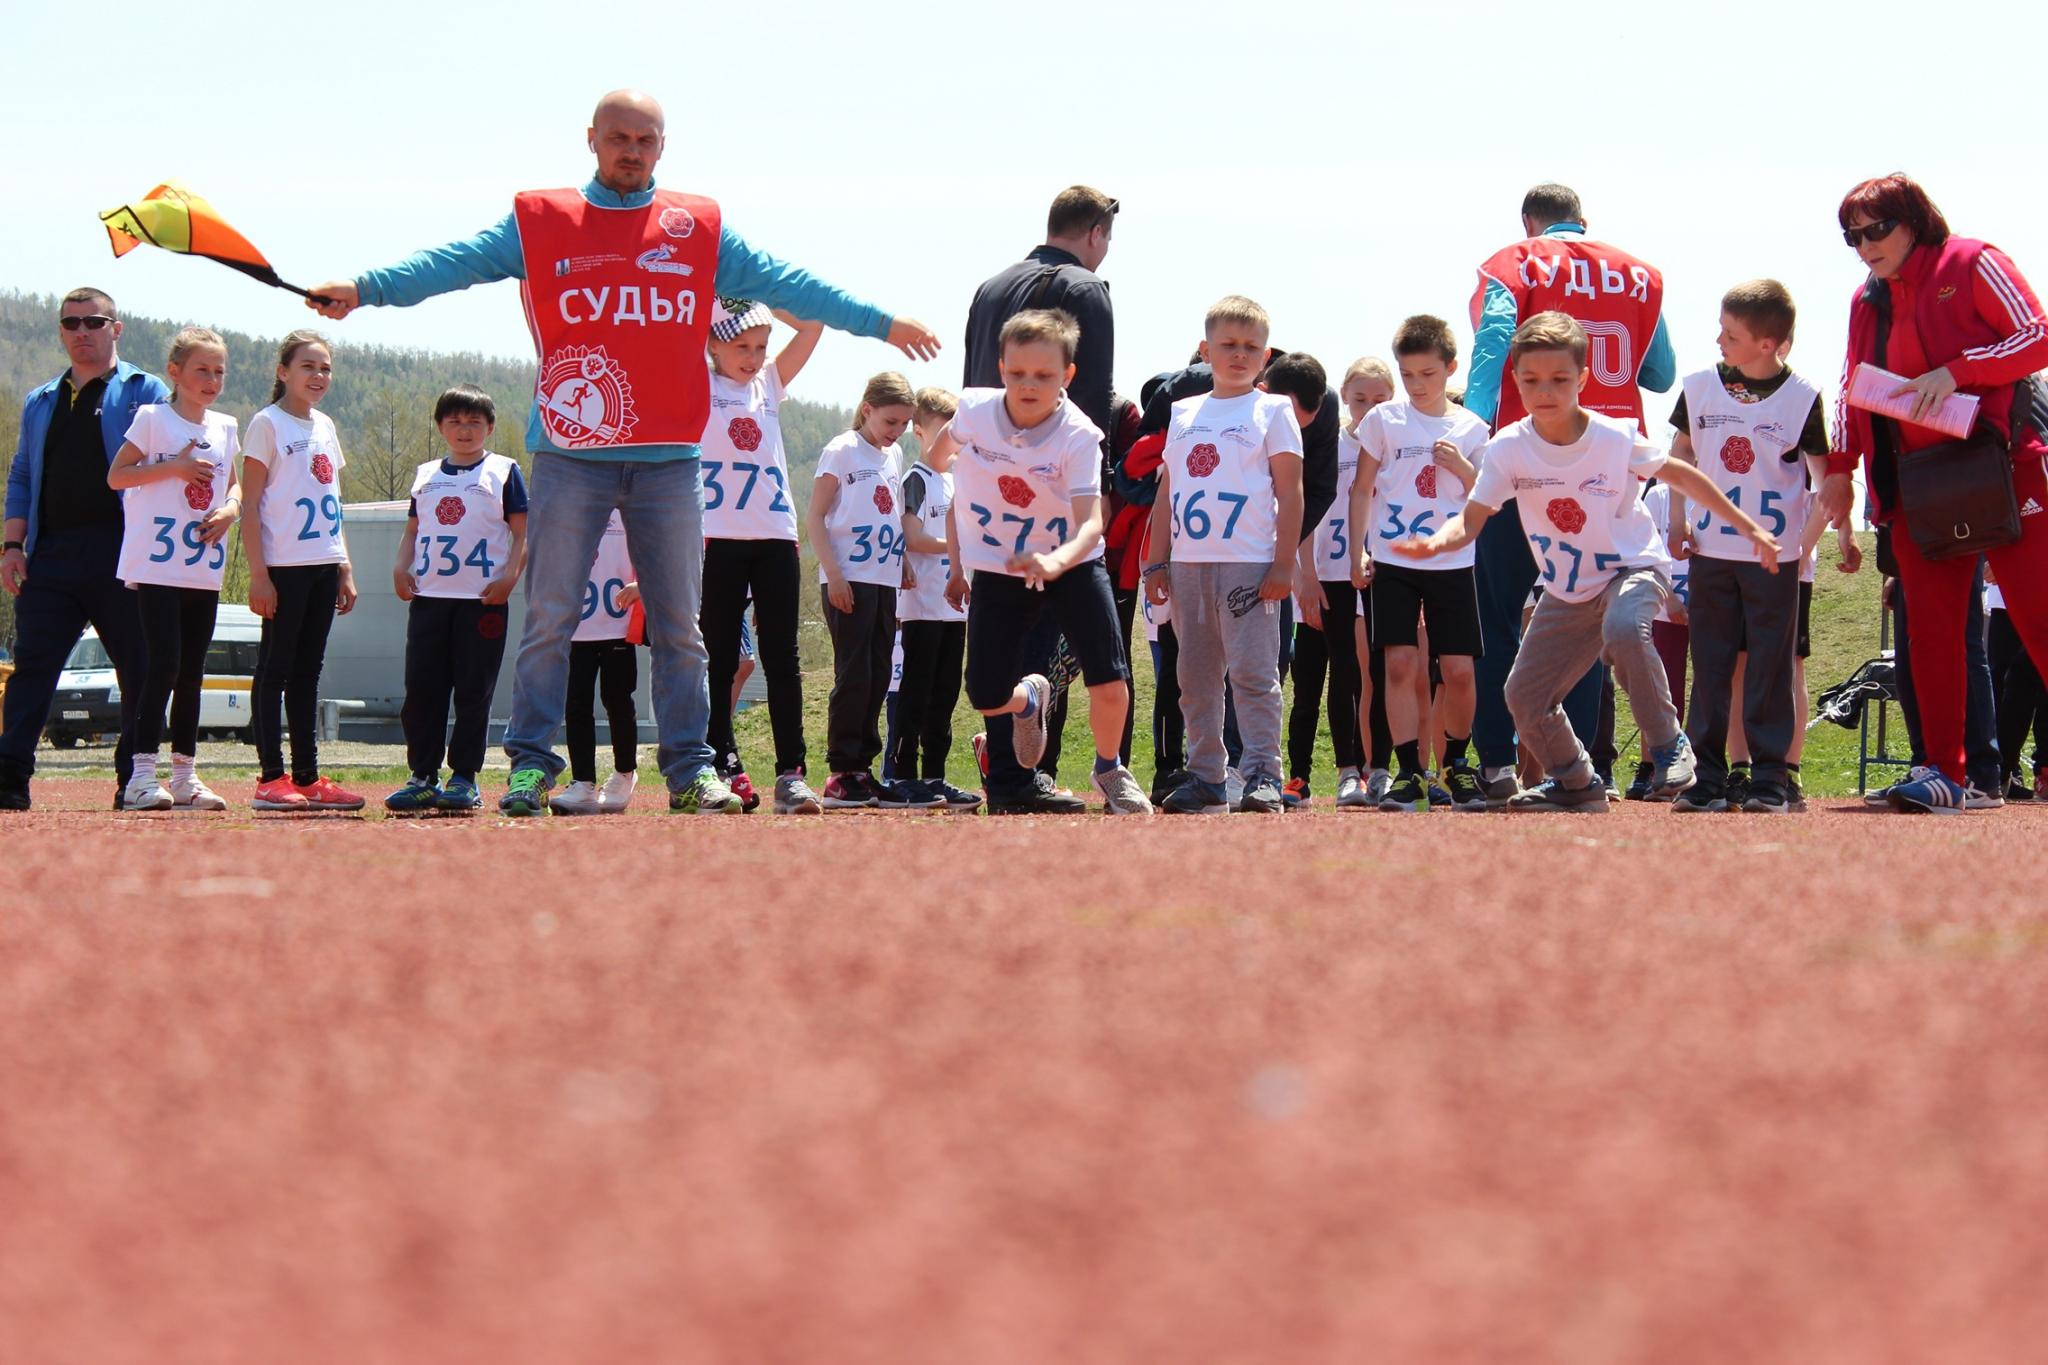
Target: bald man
[[618, 279]]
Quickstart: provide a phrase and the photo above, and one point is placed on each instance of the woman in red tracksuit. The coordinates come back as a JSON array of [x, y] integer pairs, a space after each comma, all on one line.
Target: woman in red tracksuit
[[1952, 315]]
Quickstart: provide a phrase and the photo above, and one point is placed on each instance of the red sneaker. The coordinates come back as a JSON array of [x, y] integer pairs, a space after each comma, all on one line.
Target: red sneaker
[[743, 787], [322, 794], [1295, 793], [277, 794]]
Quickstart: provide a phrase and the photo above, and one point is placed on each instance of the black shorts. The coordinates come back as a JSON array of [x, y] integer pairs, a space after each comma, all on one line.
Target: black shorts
[[1804, 648], [1002, 610], [1402, 596]]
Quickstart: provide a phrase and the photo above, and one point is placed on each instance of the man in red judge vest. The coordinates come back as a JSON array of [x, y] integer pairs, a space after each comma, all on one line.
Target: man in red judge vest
[[1619, 300], [618, 279]]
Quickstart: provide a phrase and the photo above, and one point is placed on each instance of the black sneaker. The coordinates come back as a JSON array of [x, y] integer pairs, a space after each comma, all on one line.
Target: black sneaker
[[1639, 789], [1467, 793], [1040, 798], [956, 798], [1795, 798], [1766, 798], [1439, 795], [2016, 789], [1555, 796], [13, 794], [908, 795], [1407, 794], [1166, 784], [1699, 799], [1196, 797], [1736, 789]]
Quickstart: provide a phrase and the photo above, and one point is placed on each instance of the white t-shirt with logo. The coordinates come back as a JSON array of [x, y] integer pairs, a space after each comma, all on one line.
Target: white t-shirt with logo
[[1014, 487], [301, 507], [160, 542], [1742, 446], [463, 541], [864, 527], [1333, 545], [741, 461], [604, 617], [1219, 454], [1411, 495], [927, 601], [1578, 503]]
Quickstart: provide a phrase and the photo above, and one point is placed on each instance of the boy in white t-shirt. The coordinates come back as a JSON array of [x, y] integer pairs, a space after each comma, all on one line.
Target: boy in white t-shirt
[[1756, 431], [1418, 461], [464, 548], [932, 632], [1026, 519], [1226, 528], [1573, 477]]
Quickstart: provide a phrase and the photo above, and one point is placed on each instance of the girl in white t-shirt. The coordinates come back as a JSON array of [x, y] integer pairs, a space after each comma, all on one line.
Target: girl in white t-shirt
[[178, 502], [855, 502], [750, 544], [299, 574]]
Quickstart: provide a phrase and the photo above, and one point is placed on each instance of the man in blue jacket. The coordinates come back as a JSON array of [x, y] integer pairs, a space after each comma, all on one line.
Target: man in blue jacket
[[619, 302], [64, 535]]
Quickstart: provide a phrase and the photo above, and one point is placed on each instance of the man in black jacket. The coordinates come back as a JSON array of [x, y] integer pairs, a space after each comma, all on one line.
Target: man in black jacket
[[1060, 274]]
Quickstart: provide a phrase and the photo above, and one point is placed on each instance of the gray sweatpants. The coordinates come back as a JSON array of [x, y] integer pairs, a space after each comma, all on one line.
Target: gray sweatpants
[[1223, 626], [1562, 641]]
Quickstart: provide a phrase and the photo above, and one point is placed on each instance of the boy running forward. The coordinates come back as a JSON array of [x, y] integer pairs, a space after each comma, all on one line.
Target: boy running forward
[[1026, 520], [1745, 425], [1228, 520], [1418, 461], [1573, 477]]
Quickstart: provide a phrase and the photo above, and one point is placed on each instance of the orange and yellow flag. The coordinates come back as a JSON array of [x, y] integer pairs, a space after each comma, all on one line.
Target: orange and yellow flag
[[177, 218]]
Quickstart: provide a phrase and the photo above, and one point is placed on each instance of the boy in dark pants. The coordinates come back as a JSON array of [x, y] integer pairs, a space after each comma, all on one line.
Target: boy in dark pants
[[934, 630], [458, 573], [1745, 424]]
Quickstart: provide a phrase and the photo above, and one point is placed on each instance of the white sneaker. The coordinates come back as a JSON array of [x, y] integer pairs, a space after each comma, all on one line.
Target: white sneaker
[[188, 790], [1121, 794], [618, 792], [578, 798], [1351, 791], [144, 792], [1377, 786], [1976, 798]]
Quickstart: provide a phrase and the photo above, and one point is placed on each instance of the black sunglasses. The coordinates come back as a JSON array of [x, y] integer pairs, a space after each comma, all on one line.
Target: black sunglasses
[[1870, 232], [92, 322]]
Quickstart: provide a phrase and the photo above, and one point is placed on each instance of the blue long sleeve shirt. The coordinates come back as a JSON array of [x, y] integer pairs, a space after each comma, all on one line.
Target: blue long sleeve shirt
[[1497, 322], [743, 272]]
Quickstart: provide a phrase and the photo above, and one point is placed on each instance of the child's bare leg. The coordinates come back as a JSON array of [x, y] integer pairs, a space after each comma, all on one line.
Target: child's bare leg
[[1108, 704]]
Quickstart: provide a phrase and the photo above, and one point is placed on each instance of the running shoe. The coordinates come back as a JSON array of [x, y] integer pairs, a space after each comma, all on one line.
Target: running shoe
[[956, 798], [461, 794], [1795, 795], [277, 794], [1639, 788], [1879, 796], [617, 793], [188, 791], [743, 787], [1439, 795], [1377, 784], [909, 794], [1736, 788], [322, 794], [1120, 792], [1295, 793], [1674, 771], [851, 791], [1467, 792], [1767, 798], [526, 793], [1553, 795], [1407, 794], [1502, 786], [707, 794], [1196, 797], [1699, 799], [1040, 798], [2016, 789], [1977, 798], [1351, 793], [1166, 784], [144, 792], [1028, 732], [418, 794], [578, 798], [1262, 796], [793, 796], [1927, 791]]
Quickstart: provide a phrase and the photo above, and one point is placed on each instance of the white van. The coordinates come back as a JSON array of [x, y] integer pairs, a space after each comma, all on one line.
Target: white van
[[88, 700]]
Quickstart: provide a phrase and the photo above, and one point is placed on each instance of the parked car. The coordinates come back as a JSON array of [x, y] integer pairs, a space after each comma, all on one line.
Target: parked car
[[88, 701]]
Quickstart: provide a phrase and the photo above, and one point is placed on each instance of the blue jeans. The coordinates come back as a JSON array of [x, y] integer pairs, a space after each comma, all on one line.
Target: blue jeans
[[71, 585], [662, 508], [1507, 574]]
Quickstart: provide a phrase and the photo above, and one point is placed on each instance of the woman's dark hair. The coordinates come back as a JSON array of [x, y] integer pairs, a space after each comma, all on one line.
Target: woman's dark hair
[[466, 399], [1898, 196]]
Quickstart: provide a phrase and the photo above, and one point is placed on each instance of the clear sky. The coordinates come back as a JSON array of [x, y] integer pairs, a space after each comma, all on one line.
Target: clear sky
[[1346, 165]]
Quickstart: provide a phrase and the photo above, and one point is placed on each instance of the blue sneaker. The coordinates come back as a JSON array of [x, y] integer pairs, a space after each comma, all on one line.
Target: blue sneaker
[[1196, 797], [1927, 791], [1673, 770], [417, 795], [461, 794], [526, 794]]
